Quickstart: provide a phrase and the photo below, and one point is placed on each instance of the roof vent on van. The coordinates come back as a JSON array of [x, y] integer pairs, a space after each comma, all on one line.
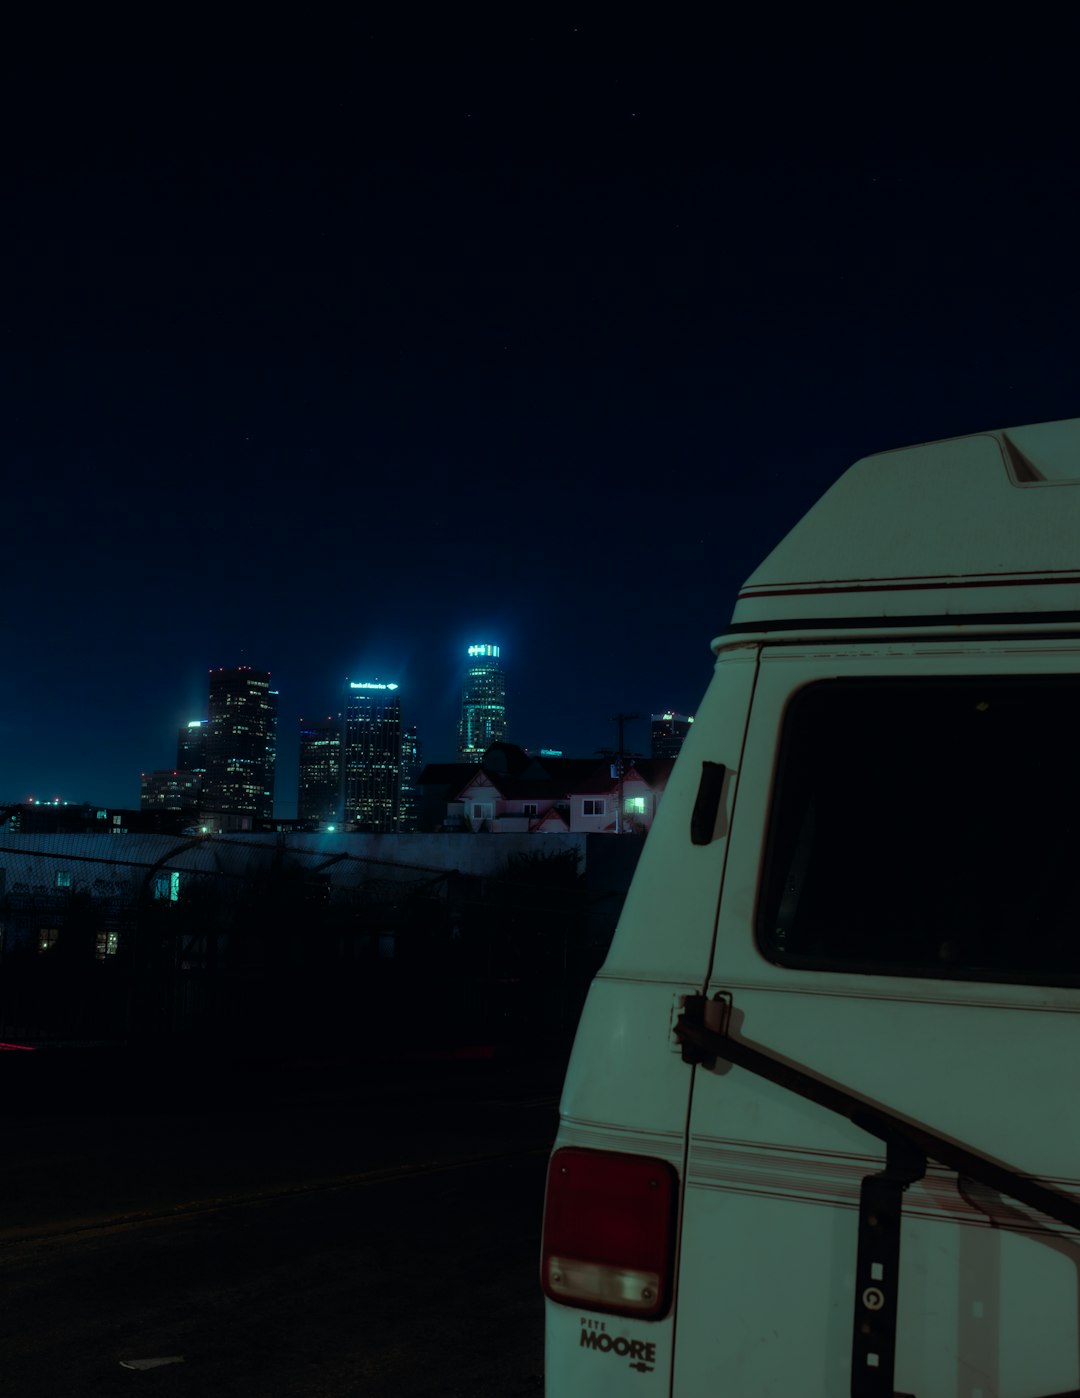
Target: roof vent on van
[[977, 530], [1046, 453]]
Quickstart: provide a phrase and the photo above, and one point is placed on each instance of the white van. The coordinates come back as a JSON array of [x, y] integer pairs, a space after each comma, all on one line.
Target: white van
[[820, 1131]]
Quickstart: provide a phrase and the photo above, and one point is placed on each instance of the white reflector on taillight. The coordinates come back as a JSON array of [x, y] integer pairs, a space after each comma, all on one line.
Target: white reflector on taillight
[[572, 1280], [609, 1232]]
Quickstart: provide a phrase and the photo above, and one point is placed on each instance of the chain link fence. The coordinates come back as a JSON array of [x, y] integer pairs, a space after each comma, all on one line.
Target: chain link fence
[[285, 951]]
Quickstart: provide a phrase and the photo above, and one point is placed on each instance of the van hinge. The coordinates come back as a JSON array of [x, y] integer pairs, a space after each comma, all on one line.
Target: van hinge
[[678, 1007]]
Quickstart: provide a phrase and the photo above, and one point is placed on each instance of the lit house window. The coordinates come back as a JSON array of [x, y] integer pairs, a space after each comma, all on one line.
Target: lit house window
[[592, 806], [167, 885], [635, 805], [63, 879], [47, 937], [107, 944]]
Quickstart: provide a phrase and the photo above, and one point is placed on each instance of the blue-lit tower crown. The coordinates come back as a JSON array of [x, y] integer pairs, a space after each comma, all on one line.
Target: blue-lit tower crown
[[483, 703]]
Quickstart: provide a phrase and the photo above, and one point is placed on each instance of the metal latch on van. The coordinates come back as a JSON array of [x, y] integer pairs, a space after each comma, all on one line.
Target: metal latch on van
[[704, 1030]]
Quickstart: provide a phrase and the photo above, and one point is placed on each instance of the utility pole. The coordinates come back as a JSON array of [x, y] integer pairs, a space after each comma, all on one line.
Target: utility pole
[[620, 755]]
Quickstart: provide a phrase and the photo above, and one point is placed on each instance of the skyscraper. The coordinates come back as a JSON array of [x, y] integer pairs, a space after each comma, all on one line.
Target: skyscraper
[[371, 756], [669, 732], [412, 760], [318, 792], [191, 744], [483, 703], [241, 749]]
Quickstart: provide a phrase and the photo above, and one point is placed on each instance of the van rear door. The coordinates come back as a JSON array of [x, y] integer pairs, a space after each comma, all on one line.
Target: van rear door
[[900, 918], [614, 1181]]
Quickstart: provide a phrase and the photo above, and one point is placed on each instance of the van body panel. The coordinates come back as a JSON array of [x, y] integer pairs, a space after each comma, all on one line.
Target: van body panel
[[772, 1186], [626, 1075], [626, 1089], [963, 527], [887, 904], [772, 1178], [982, 1313], [588, 1355], [667, 923]]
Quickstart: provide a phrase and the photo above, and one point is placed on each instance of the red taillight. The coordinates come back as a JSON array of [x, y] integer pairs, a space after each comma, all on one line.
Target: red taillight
[[609, 1232]]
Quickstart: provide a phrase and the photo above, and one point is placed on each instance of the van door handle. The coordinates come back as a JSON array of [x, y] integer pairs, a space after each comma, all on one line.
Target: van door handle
[[710, 790]]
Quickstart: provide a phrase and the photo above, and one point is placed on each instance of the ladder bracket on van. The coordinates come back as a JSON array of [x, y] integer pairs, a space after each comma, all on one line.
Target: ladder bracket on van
[[703, 1029], [877, 1270]]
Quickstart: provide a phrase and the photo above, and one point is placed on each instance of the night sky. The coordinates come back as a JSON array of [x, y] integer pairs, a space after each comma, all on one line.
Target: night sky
[[331, 347]]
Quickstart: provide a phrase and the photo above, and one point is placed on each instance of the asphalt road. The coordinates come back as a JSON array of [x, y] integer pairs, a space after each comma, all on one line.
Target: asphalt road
[[333, 1238]]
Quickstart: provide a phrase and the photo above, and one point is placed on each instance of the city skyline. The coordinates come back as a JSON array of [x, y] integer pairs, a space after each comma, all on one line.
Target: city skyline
[[122, 790], [340, 359], [356, 771]]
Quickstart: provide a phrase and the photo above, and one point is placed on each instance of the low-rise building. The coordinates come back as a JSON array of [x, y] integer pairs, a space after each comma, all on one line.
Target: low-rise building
[[170, 791], [511, 791]]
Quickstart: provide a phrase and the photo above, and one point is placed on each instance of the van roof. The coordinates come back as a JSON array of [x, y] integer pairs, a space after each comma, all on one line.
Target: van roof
[[971, 533]]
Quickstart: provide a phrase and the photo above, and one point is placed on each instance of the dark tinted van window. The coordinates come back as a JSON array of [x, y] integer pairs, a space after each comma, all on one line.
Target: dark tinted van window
[[928, 827]]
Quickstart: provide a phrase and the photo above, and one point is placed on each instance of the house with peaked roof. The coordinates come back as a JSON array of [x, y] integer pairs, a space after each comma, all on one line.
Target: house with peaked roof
[[511, 790]]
